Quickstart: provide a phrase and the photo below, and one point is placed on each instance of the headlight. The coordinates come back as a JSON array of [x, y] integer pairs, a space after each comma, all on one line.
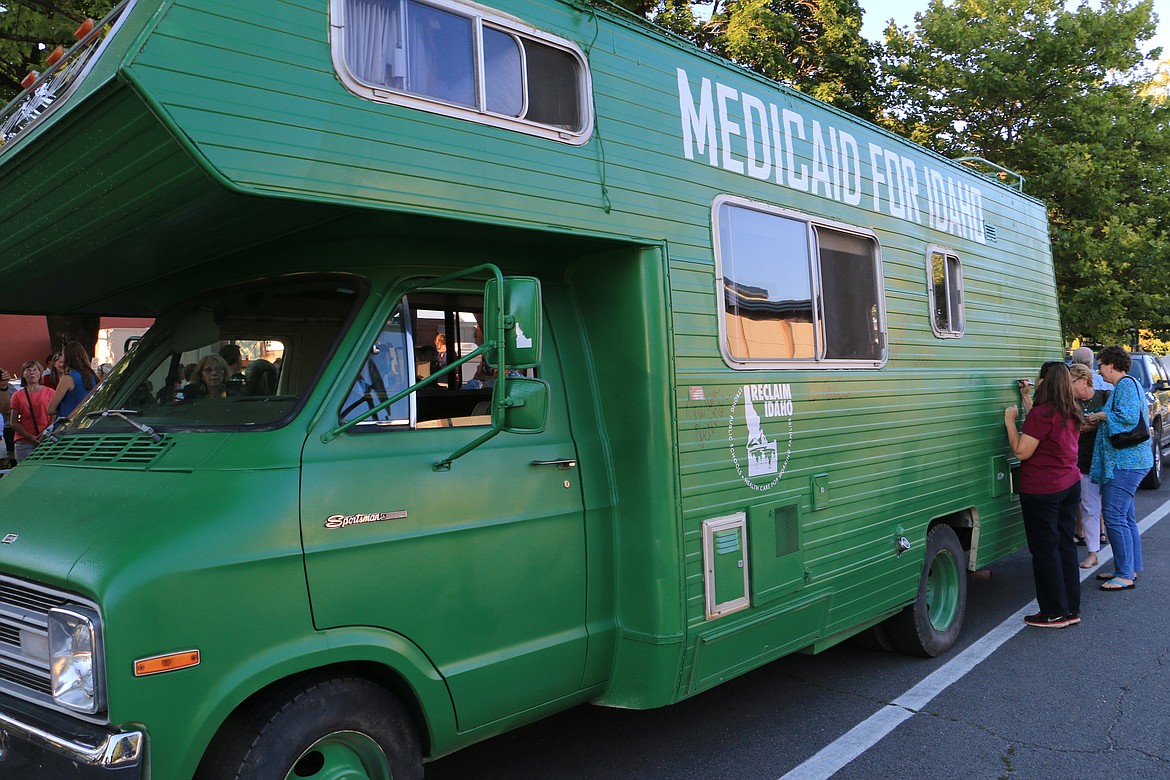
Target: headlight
[[75, 657]]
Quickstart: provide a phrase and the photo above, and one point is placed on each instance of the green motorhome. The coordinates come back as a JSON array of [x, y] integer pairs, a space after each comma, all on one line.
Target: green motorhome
[[580, 366]]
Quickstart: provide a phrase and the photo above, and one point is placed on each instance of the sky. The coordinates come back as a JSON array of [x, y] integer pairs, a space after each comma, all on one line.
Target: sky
[[878, 12]]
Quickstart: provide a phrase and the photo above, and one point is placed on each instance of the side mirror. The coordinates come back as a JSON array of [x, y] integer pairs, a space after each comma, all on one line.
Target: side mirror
[[522, 332], [1161, 385], [525, 405]]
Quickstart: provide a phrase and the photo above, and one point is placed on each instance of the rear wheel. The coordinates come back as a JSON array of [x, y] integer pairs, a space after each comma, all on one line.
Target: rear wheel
[[931, 625], [330, 729], [875, 638]]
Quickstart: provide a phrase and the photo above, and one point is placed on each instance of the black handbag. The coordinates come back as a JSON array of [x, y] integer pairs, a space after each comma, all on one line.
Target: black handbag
[[1131, 438]]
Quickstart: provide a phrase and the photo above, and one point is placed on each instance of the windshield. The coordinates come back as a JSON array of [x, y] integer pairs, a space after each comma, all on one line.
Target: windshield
[[239, 358]]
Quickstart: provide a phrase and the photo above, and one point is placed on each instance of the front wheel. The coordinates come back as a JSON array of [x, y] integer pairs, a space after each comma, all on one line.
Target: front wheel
[[931, 625], [1153, 480], [334, 728]]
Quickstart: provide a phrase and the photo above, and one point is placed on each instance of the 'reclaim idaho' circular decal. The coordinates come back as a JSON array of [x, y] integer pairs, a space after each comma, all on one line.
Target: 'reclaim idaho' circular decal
[[766, 413]]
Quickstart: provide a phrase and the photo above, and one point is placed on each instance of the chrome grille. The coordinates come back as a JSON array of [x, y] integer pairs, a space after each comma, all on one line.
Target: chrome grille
[[24, 611]]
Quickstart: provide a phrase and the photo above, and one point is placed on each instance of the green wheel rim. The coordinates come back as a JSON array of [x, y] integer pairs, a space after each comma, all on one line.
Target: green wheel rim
[[343, 755], [942, 591]]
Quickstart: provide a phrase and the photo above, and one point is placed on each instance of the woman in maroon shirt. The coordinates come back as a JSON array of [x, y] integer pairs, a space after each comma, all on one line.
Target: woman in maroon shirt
[[1050, 490]]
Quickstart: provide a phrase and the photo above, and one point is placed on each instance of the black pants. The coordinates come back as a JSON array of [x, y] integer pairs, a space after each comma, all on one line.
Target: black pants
[[1050, 522]]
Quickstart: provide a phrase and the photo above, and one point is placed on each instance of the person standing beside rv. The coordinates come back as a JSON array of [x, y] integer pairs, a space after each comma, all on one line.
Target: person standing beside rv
[[30, 409], [1091, 400], [1118, 469], [1050, 485], [77, 381]]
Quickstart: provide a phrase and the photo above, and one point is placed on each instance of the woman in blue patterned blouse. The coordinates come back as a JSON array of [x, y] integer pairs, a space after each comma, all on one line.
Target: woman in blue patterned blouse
[[1118, 471]]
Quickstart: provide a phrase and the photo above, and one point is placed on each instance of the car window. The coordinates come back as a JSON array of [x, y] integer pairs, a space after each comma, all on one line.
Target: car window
[[1140, 372], [1159, 373]]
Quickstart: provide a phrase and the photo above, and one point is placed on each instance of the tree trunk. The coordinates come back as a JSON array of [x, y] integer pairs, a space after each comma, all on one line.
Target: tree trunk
[[74, 327]]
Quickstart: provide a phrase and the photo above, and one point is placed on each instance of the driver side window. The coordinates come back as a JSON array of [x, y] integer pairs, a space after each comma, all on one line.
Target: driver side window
[[421, 338]]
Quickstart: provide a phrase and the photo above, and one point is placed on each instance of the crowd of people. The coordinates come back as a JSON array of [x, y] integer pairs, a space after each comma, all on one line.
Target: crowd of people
[[47, 392], [1083, 448], [50, 391]]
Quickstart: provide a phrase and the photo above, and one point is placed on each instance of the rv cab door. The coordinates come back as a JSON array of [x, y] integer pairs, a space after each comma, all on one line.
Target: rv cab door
[[481, 566]]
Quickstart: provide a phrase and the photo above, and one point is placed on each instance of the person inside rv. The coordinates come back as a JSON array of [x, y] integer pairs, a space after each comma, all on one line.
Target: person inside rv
[[261, 378], [209, 379], [485, 377], [234, 357]]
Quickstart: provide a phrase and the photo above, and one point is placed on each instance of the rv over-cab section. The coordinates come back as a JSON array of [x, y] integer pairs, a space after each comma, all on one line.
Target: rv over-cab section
[[263, 118]]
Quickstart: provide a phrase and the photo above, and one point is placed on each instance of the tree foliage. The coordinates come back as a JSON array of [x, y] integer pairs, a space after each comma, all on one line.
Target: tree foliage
[[30, 29], [1060, 96], [815, 46]]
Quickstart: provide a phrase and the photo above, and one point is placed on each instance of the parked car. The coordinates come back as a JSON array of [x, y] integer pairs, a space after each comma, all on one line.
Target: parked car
[[1152, 375]]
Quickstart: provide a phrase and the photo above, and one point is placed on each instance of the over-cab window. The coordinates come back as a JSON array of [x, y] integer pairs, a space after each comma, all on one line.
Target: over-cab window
[[795, 290], [423, 335], [454, 59], [945, 288]]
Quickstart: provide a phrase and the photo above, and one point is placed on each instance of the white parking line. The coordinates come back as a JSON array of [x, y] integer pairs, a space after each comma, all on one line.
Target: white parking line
[[870, 731]]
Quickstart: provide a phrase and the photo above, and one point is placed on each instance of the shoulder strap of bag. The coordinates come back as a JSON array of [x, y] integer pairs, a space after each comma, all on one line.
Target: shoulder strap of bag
[[1113, 396], [32, 409]]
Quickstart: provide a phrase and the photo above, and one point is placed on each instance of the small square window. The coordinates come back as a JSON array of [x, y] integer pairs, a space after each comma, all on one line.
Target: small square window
[[945, 290]]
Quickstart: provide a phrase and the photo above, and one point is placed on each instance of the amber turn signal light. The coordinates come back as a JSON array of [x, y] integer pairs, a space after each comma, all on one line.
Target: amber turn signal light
[[84, 30], [166, 663]]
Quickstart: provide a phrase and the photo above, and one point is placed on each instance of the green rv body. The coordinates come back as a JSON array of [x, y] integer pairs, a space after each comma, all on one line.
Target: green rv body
[[774, 349]]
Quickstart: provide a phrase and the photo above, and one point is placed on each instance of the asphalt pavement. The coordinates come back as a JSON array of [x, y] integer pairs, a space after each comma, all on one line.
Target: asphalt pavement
[[1090, 701]]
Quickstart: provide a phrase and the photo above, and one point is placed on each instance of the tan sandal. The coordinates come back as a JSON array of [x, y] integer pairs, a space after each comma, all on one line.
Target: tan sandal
[[1089, 564]]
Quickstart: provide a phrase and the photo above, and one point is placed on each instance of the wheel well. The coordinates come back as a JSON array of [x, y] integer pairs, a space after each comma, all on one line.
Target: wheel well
[[962, 522], [377, 673]]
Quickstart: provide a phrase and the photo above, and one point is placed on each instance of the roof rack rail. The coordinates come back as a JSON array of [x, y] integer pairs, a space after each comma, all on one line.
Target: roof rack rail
[[1008, 177]]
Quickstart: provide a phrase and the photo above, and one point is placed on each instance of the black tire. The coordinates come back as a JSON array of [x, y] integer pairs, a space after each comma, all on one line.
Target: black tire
[[876, 638], [931, 625], [1153, 480], [310, 728]]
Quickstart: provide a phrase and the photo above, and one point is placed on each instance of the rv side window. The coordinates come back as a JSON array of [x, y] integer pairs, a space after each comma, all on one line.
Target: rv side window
[[945, 288], [453, 59], [421, 337], [796, 290]]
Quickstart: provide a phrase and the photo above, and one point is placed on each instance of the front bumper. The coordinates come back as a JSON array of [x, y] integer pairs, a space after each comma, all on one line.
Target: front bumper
[[35, 745]]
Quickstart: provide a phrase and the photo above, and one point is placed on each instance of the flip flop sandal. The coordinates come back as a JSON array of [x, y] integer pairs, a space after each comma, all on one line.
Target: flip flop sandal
[[1087, 565], [1116, 584], [1108, 575]]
